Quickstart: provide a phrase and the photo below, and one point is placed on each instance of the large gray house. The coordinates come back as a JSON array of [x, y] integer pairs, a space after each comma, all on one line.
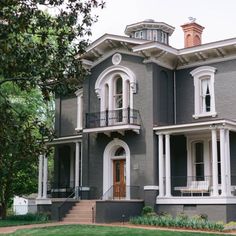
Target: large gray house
[[151, 125]]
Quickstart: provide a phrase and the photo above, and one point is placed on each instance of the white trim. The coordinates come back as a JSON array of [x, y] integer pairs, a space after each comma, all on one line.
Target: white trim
[[107, 164], [110, 53], [43, 201], [196, 200], [135, 128], [67, 139], [194, 126], [207, 46], [158, 62], [152, 45], [200, 75], [107, 74], [117, 38], [206, 62], [150, 187]]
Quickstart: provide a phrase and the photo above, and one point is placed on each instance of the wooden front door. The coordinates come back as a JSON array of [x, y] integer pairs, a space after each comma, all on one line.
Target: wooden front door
[[119, 176]]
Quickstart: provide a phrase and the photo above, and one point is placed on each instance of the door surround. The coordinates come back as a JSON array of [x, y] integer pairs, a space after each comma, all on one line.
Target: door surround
[[108, 158]]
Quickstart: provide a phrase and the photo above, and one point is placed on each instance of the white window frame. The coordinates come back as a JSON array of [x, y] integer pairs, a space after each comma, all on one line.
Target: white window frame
[[79, 94], [191, 141], [200, 74]]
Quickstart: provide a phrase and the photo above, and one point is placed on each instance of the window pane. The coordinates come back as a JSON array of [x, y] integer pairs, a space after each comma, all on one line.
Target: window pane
[[208, 100], [200, 171], [199, 153], [119, 86], [120, 152]]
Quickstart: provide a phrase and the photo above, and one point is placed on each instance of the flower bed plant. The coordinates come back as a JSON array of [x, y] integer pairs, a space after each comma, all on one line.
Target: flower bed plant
[[181, 221]]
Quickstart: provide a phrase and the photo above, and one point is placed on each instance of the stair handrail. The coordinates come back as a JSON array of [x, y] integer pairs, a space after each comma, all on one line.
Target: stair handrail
[[106, 192], [63, 203]]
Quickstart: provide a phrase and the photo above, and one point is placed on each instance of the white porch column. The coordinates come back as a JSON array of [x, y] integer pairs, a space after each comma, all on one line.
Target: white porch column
[[222, 161], [40, 176], [77, 152], [228, 166], [161, 165], [214, 163], [79, 94], [45, 175], [72, 170], [168, 165]]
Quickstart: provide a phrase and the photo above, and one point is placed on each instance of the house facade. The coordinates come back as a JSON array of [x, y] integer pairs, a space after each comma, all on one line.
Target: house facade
[[150, 123]]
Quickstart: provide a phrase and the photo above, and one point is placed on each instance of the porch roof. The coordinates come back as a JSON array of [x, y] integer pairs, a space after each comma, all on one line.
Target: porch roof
[[196, 126], [66, 139]]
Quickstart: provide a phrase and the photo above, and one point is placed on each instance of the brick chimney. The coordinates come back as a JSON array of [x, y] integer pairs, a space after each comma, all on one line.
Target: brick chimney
[[192, 34]]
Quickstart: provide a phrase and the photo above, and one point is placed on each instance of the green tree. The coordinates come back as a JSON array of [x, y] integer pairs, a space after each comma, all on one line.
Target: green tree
[[38, 52]]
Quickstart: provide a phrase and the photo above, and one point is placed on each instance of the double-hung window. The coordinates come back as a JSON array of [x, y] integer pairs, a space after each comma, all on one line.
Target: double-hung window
[[204, 95]]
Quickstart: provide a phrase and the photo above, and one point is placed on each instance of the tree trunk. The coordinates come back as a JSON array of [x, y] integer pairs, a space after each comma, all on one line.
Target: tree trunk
[[3, 210]]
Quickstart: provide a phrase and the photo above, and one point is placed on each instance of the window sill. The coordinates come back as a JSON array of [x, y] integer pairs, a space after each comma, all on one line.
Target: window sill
[[210, 114]]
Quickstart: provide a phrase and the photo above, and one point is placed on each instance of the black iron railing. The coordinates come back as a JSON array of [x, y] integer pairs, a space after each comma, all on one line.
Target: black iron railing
[[121, 192], [112, 118]]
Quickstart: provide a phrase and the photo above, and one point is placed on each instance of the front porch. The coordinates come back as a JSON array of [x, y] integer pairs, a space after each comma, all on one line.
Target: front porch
[[196, 163]]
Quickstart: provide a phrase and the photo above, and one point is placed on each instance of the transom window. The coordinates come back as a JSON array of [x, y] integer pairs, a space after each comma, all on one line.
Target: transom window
[[204, 95], [120, 151]]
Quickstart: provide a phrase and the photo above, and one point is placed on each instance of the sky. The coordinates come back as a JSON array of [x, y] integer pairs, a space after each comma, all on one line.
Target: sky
[[217, 16]]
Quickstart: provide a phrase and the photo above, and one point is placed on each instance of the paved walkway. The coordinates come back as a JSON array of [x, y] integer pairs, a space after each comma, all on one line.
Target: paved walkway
[[12, 229]]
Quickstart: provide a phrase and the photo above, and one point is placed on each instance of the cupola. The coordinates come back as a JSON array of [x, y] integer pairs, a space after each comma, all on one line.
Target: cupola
[[150, 30]]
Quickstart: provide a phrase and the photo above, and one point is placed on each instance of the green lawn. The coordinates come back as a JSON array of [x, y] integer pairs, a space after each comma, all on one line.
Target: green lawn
[[84, 230], [5, 223]]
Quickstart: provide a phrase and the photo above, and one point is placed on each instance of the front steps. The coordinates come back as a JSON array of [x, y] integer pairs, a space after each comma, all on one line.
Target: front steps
[[82, 212]]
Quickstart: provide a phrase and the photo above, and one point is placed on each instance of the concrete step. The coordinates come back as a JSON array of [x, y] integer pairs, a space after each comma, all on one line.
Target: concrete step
[[78, 221], [81, 213]]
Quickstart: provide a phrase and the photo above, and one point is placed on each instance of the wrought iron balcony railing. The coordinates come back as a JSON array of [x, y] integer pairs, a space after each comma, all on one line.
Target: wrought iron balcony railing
[[112, 118]]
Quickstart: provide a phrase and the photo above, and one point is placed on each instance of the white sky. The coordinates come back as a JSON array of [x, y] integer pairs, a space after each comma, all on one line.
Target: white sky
[[217, 16]]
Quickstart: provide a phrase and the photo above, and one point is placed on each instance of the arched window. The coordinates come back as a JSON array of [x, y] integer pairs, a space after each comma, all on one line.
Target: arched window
[[115, 88]]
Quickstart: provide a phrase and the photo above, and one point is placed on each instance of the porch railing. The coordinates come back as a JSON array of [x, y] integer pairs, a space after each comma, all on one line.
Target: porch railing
[[112, 118], [121, 192]]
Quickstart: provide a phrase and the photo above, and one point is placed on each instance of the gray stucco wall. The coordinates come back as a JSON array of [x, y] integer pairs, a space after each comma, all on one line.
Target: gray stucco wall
[[117, 211], [225, 213], [66, 116], [141, 145], [225, 99]]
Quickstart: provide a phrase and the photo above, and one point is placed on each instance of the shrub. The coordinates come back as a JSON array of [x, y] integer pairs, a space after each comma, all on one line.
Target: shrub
[[147, 210], [29, 217], [181, 221]]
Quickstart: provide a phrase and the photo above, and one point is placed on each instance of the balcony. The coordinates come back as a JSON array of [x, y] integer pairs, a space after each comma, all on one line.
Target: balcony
[[113, 121]]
